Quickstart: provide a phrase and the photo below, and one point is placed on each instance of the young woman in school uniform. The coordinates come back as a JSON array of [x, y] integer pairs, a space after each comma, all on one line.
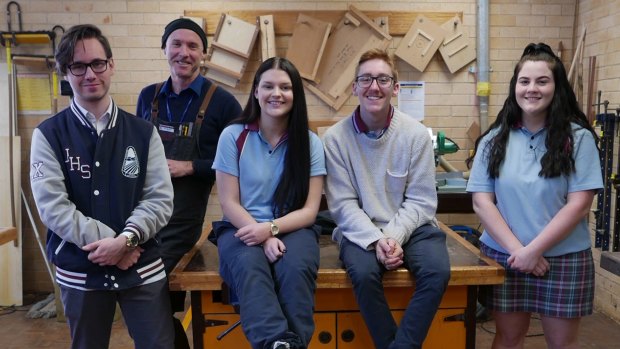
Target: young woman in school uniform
[[533, 181], [269, 173]]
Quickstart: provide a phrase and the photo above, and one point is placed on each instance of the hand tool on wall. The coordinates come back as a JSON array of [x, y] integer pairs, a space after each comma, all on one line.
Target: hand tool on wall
[[606, 143], [616, 186], [591, 81]]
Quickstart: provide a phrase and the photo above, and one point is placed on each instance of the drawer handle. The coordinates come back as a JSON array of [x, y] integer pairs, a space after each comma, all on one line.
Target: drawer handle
[[325, 337], [456, 317], [347, 336]]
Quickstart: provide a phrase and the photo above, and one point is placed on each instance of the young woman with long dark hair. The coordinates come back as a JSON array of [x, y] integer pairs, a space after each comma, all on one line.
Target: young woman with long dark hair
[[533, 181], [269, 174]]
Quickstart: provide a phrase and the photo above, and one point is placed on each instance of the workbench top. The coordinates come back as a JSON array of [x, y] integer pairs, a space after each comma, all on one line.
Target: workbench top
[[198, 269]]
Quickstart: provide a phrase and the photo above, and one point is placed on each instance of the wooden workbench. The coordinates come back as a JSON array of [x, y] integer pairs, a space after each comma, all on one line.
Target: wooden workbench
[[338, 322]]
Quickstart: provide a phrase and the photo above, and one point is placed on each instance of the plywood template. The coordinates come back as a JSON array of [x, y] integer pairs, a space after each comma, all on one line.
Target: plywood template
[[307, 43], [230, 49], [421, 42], [354, 35], [456, 49], [267, 37], [285, 21], [383, 23]]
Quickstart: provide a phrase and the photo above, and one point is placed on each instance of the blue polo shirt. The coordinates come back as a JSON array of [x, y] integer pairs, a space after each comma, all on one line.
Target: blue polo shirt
[[259, 167], [527, 201]]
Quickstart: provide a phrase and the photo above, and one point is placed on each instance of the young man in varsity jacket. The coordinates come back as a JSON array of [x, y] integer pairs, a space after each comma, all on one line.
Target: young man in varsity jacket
[[100, 181]]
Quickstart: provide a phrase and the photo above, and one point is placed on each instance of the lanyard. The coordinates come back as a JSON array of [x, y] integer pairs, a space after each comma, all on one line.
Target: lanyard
[[184, 112]]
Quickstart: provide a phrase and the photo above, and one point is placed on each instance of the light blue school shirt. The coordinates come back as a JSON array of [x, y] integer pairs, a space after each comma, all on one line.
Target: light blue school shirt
[[259, 167], [529, 202]]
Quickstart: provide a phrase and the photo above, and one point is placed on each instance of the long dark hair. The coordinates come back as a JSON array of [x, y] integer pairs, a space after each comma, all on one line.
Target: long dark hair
[[292, 191], [563, 110]]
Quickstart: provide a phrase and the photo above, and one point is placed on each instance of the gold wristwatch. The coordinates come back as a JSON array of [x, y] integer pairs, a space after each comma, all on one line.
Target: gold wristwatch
[[274, 229], [132, 240]]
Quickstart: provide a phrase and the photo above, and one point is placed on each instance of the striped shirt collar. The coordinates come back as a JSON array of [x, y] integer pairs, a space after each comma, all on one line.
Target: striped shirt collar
[[87, 119], [254, 127], [360, 126]]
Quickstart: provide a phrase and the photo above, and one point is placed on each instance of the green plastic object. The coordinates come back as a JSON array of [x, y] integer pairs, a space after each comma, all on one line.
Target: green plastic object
[[445, 146]]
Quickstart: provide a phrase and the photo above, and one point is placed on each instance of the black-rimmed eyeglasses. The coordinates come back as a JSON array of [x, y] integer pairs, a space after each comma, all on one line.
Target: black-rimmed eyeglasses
[[97, 66], [365, 81]]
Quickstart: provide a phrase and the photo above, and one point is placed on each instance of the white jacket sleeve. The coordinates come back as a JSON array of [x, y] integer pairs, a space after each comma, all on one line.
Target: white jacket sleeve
[[57, 212]]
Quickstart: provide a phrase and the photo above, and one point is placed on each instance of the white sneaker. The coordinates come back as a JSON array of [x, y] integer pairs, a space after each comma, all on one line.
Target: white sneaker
[[281, 345]]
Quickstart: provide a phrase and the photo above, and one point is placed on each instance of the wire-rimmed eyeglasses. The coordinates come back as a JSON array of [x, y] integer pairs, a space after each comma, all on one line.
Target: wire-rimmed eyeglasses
[[365, 81], [97, 66]]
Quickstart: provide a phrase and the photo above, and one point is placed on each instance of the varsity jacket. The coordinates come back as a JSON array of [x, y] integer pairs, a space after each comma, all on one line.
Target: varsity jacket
[[88, 187]]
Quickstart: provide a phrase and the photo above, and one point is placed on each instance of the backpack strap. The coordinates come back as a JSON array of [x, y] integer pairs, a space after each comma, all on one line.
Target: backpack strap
[[155, 102], [241, 142]]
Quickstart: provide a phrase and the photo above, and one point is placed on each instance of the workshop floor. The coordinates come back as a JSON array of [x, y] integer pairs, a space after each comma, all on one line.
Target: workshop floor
[[18, 332]]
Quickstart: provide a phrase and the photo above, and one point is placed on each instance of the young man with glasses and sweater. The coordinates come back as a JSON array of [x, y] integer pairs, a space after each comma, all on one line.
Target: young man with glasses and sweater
[[381, 193], [99, 179]]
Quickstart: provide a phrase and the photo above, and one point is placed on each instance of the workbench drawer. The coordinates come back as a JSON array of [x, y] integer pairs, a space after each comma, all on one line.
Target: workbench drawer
[[340, 330], [351, 331], [343, 299], [324, 334]]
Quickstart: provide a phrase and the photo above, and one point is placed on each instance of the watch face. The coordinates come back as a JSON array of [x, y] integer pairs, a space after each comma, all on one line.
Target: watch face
[[274, 229], [132, 241]]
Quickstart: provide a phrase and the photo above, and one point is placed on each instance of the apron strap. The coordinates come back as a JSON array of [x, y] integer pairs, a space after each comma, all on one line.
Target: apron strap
[[155, 103], [201, 113], [205, 103]]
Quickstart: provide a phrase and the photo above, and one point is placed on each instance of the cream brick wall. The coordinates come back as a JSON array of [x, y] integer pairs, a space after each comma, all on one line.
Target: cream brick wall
[[134, 29], [600, 18]]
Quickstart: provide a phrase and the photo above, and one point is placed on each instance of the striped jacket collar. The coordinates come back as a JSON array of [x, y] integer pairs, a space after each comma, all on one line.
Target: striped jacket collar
[[80, 114]]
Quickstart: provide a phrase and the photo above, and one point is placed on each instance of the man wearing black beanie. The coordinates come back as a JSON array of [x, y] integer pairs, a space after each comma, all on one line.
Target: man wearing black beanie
[[184, 23], [189, 112]]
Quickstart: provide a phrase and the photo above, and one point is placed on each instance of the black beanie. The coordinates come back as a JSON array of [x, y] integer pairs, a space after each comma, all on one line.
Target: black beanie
[[184, 23]]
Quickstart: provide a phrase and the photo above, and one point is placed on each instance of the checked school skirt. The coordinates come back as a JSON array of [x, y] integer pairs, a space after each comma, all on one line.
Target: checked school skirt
[[565, 291]]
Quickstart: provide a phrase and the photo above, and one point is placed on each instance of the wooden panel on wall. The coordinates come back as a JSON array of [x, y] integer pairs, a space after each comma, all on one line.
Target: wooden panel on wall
[[330, 88], [421, 42], [267, 37], [10, 181], [284, 21], [456, 49], [354, 35], [307, 44], [230, 49], [10, 253]]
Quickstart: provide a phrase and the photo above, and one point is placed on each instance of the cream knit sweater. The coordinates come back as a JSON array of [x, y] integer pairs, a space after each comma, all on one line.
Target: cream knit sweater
[[380, 187]]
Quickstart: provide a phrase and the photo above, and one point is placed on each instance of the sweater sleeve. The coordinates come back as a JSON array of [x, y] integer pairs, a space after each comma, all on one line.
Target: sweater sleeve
[[155, 207], [57, 212]]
